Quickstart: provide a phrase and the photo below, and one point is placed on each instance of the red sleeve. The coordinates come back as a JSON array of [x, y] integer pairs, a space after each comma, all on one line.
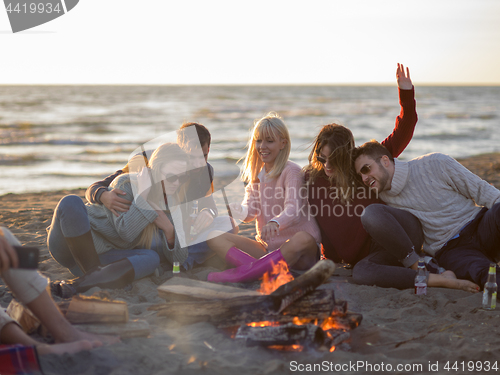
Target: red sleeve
[[402, 134]]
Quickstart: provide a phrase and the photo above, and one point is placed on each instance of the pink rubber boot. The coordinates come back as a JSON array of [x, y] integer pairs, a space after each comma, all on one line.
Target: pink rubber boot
[[235, 257], [247, 272]]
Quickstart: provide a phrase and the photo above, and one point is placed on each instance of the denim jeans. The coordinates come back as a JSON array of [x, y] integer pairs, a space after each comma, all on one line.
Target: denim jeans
[[397, 238], [71, 220], [478, 245]]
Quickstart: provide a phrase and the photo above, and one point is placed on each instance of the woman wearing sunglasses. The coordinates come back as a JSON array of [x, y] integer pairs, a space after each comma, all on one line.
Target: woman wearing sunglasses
[[274, 198], [111, 251], [336, 198]]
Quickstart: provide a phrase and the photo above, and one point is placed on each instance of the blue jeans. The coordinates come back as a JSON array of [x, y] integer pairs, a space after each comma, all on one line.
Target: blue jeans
[[477, 246], [200, 252], [396, 239], [71, 220]]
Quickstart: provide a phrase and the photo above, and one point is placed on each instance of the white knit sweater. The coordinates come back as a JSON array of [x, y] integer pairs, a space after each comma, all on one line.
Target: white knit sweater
[[441, 193]]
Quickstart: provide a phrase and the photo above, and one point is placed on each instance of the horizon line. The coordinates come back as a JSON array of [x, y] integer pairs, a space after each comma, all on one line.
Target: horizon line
[[443, 84]]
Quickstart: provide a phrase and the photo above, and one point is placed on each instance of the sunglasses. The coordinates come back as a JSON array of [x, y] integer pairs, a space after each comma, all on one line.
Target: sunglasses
[[321, 159], [365, 169], [172, 178]]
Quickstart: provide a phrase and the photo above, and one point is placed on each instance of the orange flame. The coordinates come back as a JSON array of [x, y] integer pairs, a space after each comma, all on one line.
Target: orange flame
[[264, 323], [287, 348], [326, 325], [277, 277], [331, 323]]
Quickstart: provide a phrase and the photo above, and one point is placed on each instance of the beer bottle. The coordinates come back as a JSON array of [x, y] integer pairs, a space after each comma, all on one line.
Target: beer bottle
[[490, 289]]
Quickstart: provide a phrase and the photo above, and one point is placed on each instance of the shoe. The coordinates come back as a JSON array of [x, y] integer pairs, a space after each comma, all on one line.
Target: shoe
[[63, 289], [114, 275], [248, 272], [83, 250], [235, 257]]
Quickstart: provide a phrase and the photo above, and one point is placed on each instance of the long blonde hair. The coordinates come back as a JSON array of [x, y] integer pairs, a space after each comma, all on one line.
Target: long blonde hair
[[166, 153], [269, 126]]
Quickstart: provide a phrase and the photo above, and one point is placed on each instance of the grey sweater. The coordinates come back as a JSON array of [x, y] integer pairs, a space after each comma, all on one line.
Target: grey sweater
[[441, 193], [124, 232]]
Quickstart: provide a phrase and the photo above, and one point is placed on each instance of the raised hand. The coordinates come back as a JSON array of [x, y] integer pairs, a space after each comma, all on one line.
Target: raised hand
[[404, 80]]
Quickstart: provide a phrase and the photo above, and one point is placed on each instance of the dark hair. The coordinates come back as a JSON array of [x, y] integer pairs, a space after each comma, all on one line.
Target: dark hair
[[341, 143], [373, 149], [203, 134]]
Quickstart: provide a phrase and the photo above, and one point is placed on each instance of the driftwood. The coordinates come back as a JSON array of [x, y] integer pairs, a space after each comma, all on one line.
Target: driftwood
[[182, 289], [28, 322], [250, 308], [83, 309]]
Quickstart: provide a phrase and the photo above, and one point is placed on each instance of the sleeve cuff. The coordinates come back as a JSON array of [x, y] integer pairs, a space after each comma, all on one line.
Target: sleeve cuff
[[99, 193]]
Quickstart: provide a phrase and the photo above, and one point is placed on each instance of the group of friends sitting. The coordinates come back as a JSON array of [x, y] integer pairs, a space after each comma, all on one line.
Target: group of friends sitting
[[360, 206]]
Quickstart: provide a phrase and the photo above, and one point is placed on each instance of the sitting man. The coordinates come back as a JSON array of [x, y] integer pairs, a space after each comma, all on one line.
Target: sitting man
[[195, 139], [459, 214], [29, 288]]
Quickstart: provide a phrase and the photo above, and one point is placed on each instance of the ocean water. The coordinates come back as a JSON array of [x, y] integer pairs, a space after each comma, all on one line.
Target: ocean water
[[61, 137]]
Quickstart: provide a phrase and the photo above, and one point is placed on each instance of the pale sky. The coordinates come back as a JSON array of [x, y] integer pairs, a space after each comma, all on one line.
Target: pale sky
[[272, 41]]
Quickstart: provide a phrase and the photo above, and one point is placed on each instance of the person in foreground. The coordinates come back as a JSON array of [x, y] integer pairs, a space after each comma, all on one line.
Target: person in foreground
[[285, 231], [111, 251], [458, 212], [29, 288], [336, 198]]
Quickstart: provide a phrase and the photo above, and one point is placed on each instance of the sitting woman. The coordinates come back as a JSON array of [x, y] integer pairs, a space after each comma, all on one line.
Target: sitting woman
[[285, 231], [111, 251], [338, 202]]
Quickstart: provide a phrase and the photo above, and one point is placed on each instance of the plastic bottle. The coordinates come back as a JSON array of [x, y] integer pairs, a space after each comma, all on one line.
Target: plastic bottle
[[421, 278], [490, 289], [176, 268]]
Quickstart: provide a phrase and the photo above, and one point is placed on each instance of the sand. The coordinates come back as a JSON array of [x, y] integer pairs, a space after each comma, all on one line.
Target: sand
[[420, 333]]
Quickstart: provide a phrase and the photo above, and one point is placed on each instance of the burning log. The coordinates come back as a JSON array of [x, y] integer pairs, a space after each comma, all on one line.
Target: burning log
[[249, 307], [318, 305], [288, 334], [306, 283]]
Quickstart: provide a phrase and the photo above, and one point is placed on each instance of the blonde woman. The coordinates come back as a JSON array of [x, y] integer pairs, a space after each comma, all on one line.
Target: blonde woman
[[273, 198], [130, 245]]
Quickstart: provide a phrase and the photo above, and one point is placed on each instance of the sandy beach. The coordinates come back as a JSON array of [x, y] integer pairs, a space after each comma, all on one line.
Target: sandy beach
[[401, 332]]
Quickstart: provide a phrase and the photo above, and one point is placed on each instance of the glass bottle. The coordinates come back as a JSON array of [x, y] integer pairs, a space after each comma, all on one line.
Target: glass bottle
[[421, 278], [193, 216], [490, 289]]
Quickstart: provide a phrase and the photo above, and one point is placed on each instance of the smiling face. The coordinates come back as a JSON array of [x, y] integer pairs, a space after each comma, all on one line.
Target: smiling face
[[374, 173], [268, 148], [173, 175]]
